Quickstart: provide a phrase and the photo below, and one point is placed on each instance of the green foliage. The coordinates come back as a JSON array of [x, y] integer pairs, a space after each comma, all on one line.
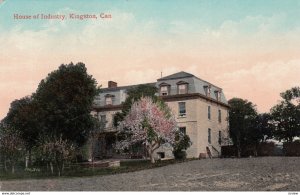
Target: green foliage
[[242, 122], [286, 115], [291, 94], [264, 127], [66, 97], [182, 143], [24, 116], [179, 154], [60, 108]]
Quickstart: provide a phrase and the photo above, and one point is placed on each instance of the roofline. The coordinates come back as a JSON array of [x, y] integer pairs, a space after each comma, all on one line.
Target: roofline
[[191, 75], [125, 87], [179, 97], [162, 79], [168, 98]]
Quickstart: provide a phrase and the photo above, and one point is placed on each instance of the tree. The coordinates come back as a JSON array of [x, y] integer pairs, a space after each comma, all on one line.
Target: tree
[[24, 116], [134, 94], [242, 115], [66, 97], [182, 142], [56, 150], [11, 146], [264, 127], [149, 123], [286, 115]]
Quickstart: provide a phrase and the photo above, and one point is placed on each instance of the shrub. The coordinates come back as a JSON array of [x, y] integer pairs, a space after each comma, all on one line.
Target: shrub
[[179, 154]]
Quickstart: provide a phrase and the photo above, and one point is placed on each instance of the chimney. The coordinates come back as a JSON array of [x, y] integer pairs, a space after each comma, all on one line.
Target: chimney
[[112, 84]]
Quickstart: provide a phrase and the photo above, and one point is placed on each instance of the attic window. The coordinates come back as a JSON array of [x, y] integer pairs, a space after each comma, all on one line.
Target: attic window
[[207, 89], [182, 87], [164, 89], [218, 94], [109, 99]]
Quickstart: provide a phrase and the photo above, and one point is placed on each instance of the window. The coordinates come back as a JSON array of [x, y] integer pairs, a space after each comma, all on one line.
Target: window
[[182, 110], [219, 116], [209, 136], [164, 90], [108, 100], [207, 90], [182, 130], [182, 89], [218, 95], [220, 137], [208, 112], [103, 120]]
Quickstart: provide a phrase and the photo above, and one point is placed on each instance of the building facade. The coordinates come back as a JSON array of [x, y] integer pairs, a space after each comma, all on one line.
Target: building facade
[[200, 109]]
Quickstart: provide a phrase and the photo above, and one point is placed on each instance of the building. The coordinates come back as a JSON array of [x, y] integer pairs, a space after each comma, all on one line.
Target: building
[[200, 108]]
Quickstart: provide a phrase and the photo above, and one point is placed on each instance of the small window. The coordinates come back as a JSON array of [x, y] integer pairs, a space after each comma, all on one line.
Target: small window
[[103, 120], [218, 95], [182, 89], [208, 112], [207, 90], [219, 116], [209, 136], [182, 130], [164, 90], [182, 110], [220, 138], [108, 100]]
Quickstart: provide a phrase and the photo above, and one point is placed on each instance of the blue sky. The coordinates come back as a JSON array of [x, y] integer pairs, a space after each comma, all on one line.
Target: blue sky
[[203, 13]]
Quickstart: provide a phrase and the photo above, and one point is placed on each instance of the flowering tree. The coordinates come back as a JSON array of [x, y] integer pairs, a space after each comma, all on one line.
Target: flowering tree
[[11, 146], [150, 123], [56, 150]]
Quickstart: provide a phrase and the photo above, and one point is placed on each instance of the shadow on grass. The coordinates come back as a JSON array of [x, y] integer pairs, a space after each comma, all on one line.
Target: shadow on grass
[[76, 170]]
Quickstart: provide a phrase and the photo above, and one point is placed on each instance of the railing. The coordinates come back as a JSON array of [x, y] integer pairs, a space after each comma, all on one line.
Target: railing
[[216, 150]]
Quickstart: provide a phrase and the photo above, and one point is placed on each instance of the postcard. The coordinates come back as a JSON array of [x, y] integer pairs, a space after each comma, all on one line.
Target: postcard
[[130, 95]]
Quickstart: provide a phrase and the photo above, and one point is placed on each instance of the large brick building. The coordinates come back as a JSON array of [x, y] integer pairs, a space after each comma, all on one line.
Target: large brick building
[[200, 108]]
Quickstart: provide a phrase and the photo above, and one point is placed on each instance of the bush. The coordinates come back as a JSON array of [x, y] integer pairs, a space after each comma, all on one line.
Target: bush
[[291, 149], [182, 143], [179, 154]]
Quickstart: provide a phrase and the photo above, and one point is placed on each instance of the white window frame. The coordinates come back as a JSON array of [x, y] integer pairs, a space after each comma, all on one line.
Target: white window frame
[[182, 89], [108, 100], [164, 90]]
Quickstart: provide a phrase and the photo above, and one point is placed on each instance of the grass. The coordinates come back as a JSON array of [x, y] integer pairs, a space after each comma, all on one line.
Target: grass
[[76, 170]]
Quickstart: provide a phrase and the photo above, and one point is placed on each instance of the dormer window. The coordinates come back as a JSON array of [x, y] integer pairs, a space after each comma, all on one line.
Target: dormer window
[[218, 94], [182, 87], [109, 99], [164, 89], [207, 89]]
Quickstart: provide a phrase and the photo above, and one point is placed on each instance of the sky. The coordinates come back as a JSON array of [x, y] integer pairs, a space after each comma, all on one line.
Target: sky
[[249, 48]]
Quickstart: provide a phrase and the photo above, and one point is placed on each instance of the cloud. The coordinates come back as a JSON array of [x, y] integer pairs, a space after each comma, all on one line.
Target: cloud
[[250, 58], [263, 82]]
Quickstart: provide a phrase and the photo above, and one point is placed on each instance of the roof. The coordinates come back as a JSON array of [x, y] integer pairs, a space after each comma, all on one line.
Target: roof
[[124, 87], [183, 74], [177, 75]]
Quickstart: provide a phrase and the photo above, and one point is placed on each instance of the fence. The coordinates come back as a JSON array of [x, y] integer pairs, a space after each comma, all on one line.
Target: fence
[[263, 149]]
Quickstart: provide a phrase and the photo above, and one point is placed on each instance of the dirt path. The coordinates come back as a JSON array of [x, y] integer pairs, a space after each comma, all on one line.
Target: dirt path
[[248, 174]]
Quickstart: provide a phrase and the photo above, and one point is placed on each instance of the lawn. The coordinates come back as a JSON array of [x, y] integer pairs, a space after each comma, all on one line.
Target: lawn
[[76, 170]]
